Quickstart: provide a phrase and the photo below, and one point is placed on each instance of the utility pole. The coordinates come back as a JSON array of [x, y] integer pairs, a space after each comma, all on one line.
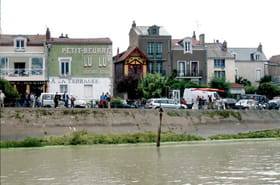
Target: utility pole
[[159, 128]]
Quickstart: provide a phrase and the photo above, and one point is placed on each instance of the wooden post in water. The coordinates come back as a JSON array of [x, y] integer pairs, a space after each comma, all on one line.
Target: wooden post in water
[[159, 128]]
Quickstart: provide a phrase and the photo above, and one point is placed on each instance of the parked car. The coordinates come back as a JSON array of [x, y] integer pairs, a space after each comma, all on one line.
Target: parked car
[[46, 100], [246, 104], [274, 104], [165, 103], [229, 103]]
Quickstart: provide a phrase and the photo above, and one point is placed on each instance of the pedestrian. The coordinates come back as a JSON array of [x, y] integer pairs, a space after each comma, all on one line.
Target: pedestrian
[[56, 99], [184, 101], [102, 101], [108, 99], [26, 102], [32, 100], [72, 100], [2, 97], [65, 98]]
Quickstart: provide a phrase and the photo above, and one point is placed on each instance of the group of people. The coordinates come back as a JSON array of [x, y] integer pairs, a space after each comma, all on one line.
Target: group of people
[[65, 98], [105, 100], [209, 102]]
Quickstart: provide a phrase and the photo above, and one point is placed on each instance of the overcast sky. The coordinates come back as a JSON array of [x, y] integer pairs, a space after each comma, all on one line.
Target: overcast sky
[[242, 23]]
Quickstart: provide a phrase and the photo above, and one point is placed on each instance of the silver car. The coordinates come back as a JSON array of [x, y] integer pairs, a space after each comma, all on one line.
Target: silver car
[[165, 103]]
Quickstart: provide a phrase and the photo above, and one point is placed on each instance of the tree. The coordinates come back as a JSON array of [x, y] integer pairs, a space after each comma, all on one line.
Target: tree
[[242, 81], [266, 79], [152, 85], [128, 84], [250, 89], [220, 83], [269, 90], [10, 93]]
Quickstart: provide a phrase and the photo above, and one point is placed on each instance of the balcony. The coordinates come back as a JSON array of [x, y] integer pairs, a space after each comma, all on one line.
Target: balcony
[[23, 74], [190, 74], [162, 72]]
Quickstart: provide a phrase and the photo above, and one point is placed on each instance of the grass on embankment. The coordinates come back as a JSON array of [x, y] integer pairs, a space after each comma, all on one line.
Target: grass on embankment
[[84, 138]]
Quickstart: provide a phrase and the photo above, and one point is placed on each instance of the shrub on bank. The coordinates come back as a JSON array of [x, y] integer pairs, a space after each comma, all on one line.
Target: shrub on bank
[[84, 138], [257, 134]]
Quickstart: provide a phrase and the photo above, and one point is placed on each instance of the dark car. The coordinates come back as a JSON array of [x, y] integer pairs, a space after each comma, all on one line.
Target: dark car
[[229, 103], [274, 104]]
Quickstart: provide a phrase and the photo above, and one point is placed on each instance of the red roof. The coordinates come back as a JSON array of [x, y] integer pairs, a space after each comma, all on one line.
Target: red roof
[[236, 85]]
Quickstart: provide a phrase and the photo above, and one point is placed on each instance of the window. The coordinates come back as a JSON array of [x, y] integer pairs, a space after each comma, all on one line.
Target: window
[[88, 91], [63, 88], [194, 68], [159, 50], [219, 62], [182, 68], [257, 57], [154, 31], [187, 46], [37, 66], [236, 72], [150, 67], [20, 44], [258, 74], [150, 50], [220, 74], [65, 66], [159, 67], [155, 67], [3, 65]]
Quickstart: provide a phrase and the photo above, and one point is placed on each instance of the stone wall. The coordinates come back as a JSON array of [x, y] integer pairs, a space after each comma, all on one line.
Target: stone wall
[[19, 123]]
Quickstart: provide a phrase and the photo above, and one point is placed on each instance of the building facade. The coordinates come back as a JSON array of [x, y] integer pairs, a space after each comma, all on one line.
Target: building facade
[[23, 62], [188, 58], [249, 63], [155, 42], [81, 67], [220, 62], [130, 66]]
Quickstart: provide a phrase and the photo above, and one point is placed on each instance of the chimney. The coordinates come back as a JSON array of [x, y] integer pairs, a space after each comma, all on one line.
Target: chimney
[[194, 36], [224, 46], [260, 48], [133, 24], [48, 34], [61, 36], [202, 39]]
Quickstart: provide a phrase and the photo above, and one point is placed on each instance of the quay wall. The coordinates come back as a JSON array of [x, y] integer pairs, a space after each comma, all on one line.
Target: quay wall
[[19, 123]]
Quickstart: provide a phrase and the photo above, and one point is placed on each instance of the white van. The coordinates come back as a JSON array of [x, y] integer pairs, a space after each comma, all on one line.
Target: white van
[[46, 100], [190, 95]]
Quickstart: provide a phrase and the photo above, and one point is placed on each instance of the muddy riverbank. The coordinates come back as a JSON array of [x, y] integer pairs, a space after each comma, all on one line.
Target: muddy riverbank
[[19, 123]]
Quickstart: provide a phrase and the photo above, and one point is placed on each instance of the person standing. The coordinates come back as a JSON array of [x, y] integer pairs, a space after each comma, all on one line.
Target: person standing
[[72, 100], [65, 98], [108, 99], [56, 99], [2, 97], [32, 100]]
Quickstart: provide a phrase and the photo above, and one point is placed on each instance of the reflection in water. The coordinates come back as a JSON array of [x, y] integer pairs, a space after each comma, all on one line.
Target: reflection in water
[[246, 162]]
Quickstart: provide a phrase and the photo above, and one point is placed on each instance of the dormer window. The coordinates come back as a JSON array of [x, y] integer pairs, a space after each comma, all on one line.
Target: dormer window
[[154, 30], [187, 46], [19, 44]]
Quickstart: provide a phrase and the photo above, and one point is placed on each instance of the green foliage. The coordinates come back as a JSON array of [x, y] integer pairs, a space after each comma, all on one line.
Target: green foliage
[[269, 90], [250, 89], [116, 103], [266, 79], [220, 83], [10, 93], [257, 134], [242, 81], [152, 85], [225, 114]]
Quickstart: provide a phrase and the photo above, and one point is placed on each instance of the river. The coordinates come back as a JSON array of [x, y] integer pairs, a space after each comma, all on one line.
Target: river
[[209, 162]]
